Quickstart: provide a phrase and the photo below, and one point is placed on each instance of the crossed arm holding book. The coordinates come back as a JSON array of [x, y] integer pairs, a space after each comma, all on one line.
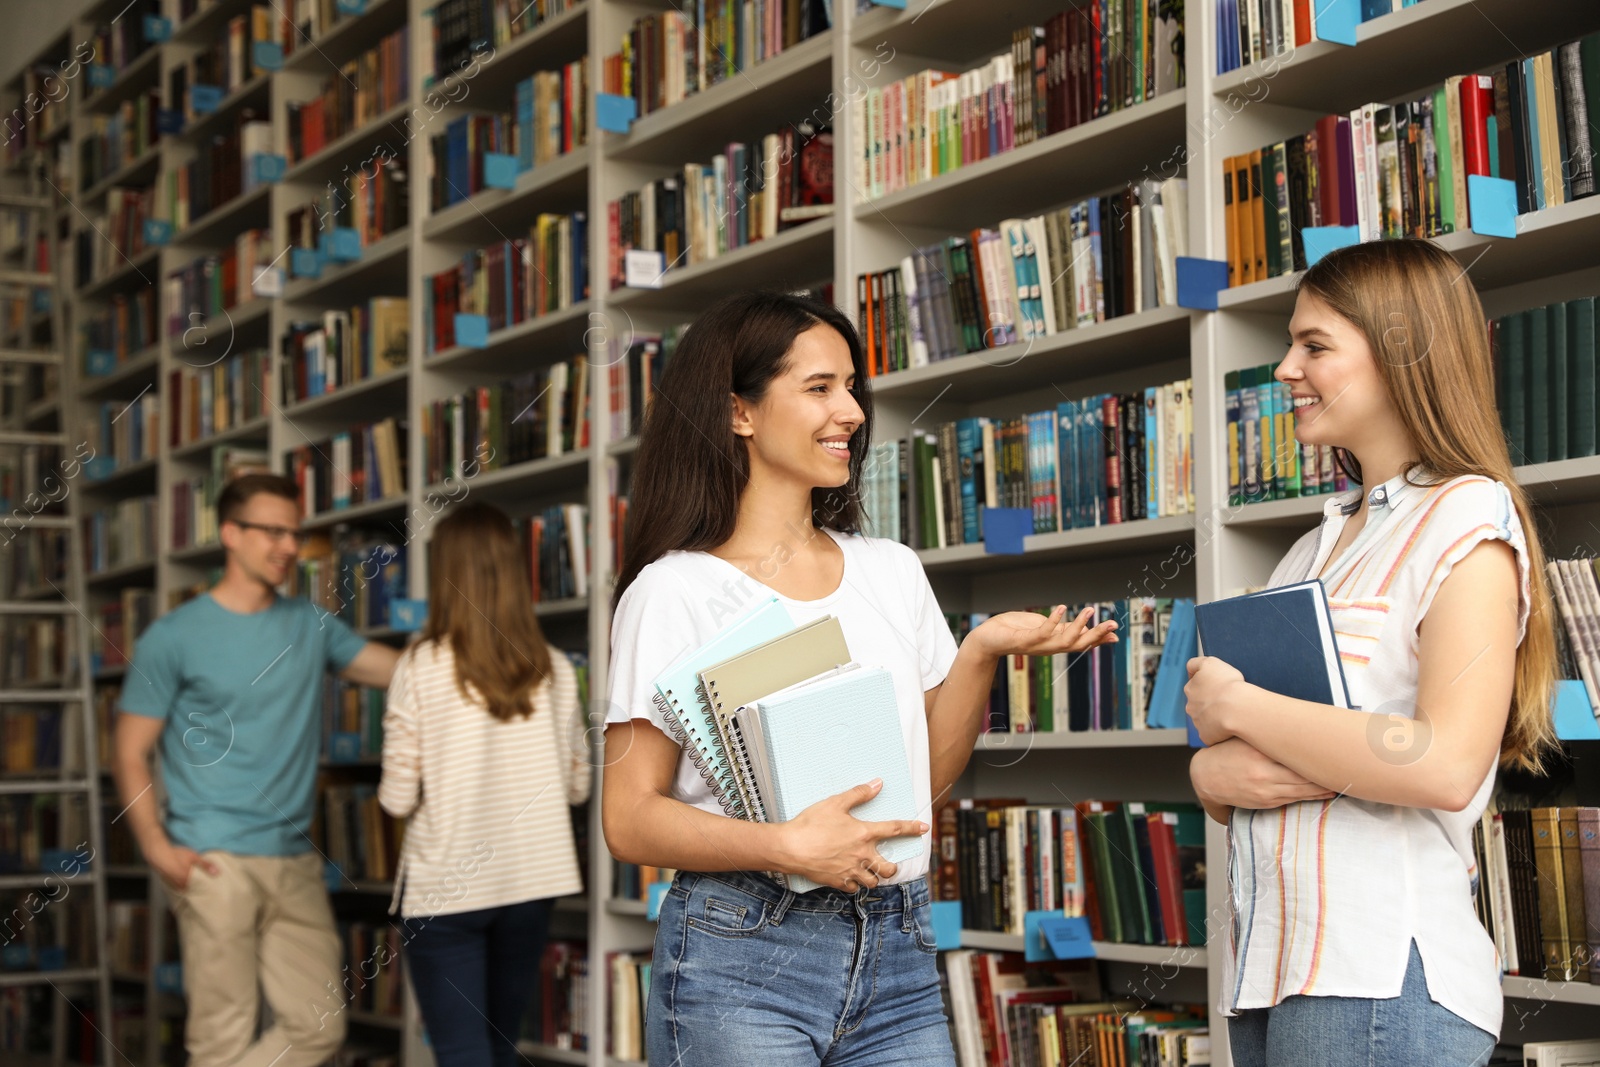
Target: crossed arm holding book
[[1267, 750]]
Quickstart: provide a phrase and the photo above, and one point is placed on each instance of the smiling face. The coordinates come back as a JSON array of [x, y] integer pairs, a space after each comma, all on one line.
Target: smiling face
[[800, 431], [261, 555], [1340, 398]]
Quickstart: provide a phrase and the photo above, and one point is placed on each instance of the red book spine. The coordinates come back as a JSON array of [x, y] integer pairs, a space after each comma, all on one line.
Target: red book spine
[[1328, 169], [1477, 104], [1111, 414]]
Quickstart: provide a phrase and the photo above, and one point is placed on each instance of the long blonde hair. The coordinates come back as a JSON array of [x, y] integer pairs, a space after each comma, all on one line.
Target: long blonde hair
[[1421, 315]]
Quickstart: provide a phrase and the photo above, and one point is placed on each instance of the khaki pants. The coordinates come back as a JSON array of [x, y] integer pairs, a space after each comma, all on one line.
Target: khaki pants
[[261, 925]]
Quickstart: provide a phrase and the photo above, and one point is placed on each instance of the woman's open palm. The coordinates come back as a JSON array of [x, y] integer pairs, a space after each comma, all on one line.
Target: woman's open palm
[[1027, 633]]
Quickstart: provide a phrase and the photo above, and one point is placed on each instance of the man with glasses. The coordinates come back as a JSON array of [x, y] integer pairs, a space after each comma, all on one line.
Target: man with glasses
[[230, 687]]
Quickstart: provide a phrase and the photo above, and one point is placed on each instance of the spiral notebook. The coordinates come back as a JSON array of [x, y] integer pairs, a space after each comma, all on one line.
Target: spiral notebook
[[804, 652], [824, 736], [684, 707]]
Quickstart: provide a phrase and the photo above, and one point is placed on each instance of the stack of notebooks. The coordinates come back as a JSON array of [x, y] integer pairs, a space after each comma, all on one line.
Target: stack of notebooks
[[758, 708]]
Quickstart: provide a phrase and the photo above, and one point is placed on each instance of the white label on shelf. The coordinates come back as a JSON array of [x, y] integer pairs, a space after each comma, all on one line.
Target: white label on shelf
[[643, 270]]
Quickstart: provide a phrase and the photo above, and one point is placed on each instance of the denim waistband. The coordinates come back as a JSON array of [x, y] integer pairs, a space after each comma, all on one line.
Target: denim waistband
[[887, 899]]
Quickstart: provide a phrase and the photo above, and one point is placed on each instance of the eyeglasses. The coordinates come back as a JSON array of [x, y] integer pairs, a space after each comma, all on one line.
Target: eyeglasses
[[274, 532]]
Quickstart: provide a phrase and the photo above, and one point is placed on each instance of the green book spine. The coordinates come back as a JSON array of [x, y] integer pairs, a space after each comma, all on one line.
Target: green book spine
[[1580, 378], [1105, 880], [1559, 383], [1445, 160], [1514, 329], [1538, 405], [1589, 61], [1130, 880], [1267, 189]]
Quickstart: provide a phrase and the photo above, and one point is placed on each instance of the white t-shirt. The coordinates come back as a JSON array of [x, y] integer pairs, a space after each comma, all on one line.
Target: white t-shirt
[[884, 606]]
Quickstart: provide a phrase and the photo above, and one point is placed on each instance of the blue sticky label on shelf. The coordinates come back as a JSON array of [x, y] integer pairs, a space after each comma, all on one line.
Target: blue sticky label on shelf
[[52, 957], [657, 891], [499, 170], [305, 263], [16, 958], [267, 168], [157, 231], [169, 120], [1004, 529], [99, 468], [1066, 937], [1320, 240], [472, 331], [615, 113], [351, 7], [157, 29], [1336, 20], [101, 362], [1492, 205], [204, 99], [1199, 282], [267, 55], [61, 861], [169, 978], [1575, 719], [344, 747], [331, 875], [946, 916], [101, 75], [344, 245], [407, 614]]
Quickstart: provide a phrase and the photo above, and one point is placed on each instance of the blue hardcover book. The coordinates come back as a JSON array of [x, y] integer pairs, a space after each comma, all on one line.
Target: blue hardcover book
[[1152, 453], [969, 443], [1280, 639], [1067, 461], [1167, 703]]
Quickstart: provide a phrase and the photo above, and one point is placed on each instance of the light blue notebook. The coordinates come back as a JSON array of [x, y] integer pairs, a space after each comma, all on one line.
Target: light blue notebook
[[823, 736], [680, 698]]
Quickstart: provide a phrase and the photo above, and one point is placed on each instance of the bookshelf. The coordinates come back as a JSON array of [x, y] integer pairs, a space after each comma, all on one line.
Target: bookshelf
[[1208, 554]]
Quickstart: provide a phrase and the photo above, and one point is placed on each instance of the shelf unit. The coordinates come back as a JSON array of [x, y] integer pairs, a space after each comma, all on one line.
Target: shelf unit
[[1208, 555]]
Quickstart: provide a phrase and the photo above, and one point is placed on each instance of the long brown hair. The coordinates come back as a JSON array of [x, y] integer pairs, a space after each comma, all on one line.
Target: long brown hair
[[1422, 317], [480, 605], [692, 467]]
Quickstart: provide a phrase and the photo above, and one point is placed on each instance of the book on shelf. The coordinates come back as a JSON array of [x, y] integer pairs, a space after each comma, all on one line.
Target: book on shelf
[[373, 205], [114, 236], [559, 1018], [555, 542], [30, 742], [462, 30], [1576, 591], [345, 347], [116, 140], [541, 413], [128, 936], [1250, 31], [1545, 380], [352, 722], [355, 94], [208, 287], [1538, 891], [194, 500], [120, 622], [1265, 460], [512, 281], [354, 577], [629, 974], [119, 41], [357, 836], [227, 61], [120, 534], [220, 172], [125, 432], [364, 464], [631, 881], [223, 396], [306, 21], [37, 560], [632, 375], [126, 328], [375, 974]]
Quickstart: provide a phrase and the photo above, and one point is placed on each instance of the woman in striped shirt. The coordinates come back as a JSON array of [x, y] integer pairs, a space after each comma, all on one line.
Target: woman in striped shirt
[[483, 751], [1353, 935]]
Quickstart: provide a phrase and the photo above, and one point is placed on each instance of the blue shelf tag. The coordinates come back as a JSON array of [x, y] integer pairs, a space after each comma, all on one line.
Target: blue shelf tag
[[1199, 282], [407, 614], [101, 75], [305, 263], [60, 861], [615, 113], [204, 99], [1049, 935], [1320, 240], [344, 747], [1004, 530], [652, 908], [52, 957], [331, 877], [267, 168], [1492, 205], [169, 978], [345, 245], [946, 916], [99, 468], [157, 232], [1575, 719], [169, 120], [100, 363], [267, 55], [472, 331], [1336, 20], [351, 7], [16, 957], [499, 170], [157, 29]]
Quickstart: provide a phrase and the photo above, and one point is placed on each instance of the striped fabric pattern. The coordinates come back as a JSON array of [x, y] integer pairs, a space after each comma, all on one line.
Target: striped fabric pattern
[[486, 802]]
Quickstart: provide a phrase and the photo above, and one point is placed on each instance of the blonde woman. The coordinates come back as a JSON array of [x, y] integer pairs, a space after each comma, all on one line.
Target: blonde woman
[[1353, 937], [483, 753]]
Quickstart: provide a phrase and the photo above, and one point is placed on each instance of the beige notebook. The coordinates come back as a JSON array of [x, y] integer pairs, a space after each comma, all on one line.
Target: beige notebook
[[802, 653]]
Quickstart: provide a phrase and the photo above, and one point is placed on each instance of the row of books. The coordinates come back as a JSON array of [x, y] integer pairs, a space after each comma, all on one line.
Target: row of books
[[194, 500], [345, 347], [1135, 684], [1249, 31], [547, 120], [1265, 461], [125, 432], [220, 172], [35, 561], [226, 62], [1083, 63], [364, 464], [666, 58], [512, 281], [632, 378], [1026, 279], [116, 140], [113, 236], [1545, 365], [30, 474], [30, 740], [556, 544], [121, 534], [128, 937], [744, 195], [1575, 585], [373, 962], [207, 286], [40, 652], [373, 205], [356, 579], [630, 881], [355, 94], [1540, 875], [539, 414], [356, 835], [462, 29], [1136, 871], [119, 41], [352, 722], [629, 973], [209, 400], [119, 624], [1007, 1013], [125, 328], [560, 1015]]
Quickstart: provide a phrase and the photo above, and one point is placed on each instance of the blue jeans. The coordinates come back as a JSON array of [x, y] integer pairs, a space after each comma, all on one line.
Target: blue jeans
[[747, 972], [1410, 1029], [475, 973]]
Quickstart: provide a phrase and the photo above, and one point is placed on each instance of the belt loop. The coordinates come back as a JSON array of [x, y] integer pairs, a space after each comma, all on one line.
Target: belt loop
[[781, 908], [906, 920]]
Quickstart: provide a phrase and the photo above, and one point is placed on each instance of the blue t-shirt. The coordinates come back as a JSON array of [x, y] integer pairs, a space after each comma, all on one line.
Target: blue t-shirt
[[242, 700]]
